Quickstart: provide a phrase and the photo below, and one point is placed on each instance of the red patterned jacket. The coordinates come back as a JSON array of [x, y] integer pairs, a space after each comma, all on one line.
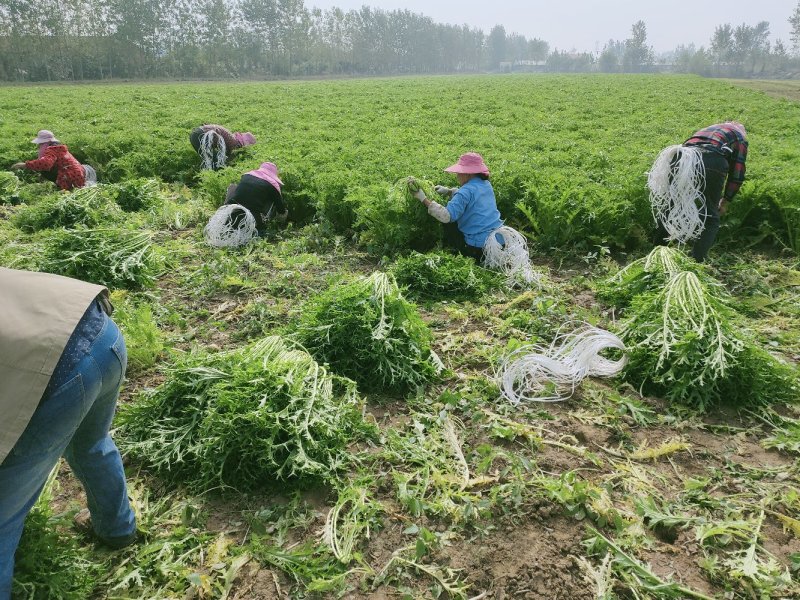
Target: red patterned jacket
[[70, 174]]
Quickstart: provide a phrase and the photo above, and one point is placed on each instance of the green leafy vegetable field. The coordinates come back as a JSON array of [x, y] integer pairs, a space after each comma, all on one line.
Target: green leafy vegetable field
[[317, 414]]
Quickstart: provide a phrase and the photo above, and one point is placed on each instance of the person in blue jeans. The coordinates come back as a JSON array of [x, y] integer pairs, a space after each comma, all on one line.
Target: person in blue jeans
[[62, 361], [471, 214]]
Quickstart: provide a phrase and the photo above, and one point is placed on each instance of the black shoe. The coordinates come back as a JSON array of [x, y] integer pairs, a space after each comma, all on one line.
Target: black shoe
[[83, 523], [119, 542]]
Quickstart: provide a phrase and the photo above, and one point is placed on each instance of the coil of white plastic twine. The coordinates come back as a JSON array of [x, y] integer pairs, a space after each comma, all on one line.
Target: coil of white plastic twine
[[536, 373], [510, 257], [212, 150], [221, 232], [676, 182]]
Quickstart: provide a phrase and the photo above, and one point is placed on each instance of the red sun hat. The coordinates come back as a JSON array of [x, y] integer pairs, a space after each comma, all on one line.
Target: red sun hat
[[470, 163]]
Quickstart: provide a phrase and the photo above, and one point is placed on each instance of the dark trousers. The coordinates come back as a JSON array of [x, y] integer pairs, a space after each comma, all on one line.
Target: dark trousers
[[453, 238], [194, 138], [716, 168]]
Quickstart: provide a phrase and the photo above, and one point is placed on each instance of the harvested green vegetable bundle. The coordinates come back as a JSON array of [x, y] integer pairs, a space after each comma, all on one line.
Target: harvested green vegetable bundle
[[137, 194], [646, 274], [87, 207], [440, 275], [682, 340], [398, 222], [687, 345], [245, 419], [367, 331], [117, 258], [9, 185]]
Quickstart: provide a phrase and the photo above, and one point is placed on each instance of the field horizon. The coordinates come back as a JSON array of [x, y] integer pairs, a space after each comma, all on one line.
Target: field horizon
[[441, 488]]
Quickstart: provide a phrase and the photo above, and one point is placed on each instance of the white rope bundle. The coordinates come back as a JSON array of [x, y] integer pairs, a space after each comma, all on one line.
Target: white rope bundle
[[536, 373], [212, 150], [511, 257], [676, 182], [89, 176], [221, 232]]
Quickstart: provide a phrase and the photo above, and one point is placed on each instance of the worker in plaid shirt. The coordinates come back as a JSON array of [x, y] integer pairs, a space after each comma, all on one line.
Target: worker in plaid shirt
[[730, 140], [724, 148]]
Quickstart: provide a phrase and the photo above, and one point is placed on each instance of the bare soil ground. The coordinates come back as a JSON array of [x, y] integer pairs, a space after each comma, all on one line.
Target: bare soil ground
[[778, 88]]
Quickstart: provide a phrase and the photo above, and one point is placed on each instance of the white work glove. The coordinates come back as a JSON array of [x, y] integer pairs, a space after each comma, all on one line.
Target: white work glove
[[419, 195], [415, 189], [445, 191]]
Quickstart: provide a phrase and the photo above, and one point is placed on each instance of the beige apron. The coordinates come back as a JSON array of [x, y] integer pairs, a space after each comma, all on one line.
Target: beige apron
[[38, 313]]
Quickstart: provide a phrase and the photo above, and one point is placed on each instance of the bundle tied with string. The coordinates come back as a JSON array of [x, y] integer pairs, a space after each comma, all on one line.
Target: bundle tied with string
[[230, 227], [212, 150], [536, 373], [676, 182], [510, 257]]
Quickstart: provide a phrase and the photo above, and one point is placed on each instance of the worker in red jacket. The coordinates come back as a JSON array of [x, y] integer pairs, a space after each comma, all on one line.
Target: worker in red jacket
[[55, 162]]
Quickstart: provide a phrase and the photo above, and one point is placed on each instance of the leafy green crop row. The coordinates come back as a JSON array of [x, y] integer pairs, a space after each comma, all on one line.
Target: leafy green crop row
[[568, 154]]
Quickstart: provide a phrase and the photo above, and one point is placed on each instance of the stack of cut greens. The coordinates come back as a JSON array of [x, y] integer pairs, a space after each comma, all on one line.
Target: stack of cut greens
[[245, 419], [85, 207], [685, 341], [645, 274], [137, 194], [682, 340], [398, 222], [117, 258], [440, 275], [143, 339], [367, 331], [9, 186]]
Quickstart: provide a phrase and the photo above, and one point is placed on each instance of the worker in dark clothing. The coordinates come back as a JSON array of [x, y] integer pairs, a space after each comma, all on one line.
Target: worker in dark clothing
[[721, 171], [259, 191]]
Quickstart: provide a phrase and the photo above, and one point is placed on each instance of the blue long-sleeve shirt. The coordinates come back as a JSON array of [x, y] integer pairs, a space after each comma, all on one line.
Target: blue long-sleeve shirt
[[474, 209]]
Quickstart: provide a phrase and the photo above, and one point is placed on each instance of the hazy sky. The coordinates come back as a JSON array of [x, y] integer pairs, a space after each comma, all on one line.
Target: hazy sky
[[589, 24]]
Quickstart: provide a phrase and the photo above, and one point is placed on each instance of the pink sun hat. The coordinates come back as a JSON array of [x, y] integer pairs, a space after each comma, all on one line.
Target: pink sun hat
[[268, 172], [245, 139], [470, 163], [43, 137]]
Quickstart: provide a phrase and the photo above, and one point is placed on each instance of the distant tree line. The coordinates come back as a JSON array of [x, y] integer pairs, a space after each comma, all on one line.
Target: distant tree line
[[53, 40], [741, 51], [46, 40]]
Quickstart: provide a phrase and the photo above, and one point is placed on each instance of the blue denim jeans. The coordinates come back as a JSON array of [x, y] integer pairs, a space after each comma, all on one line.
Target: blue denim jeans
[[72, 420]]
